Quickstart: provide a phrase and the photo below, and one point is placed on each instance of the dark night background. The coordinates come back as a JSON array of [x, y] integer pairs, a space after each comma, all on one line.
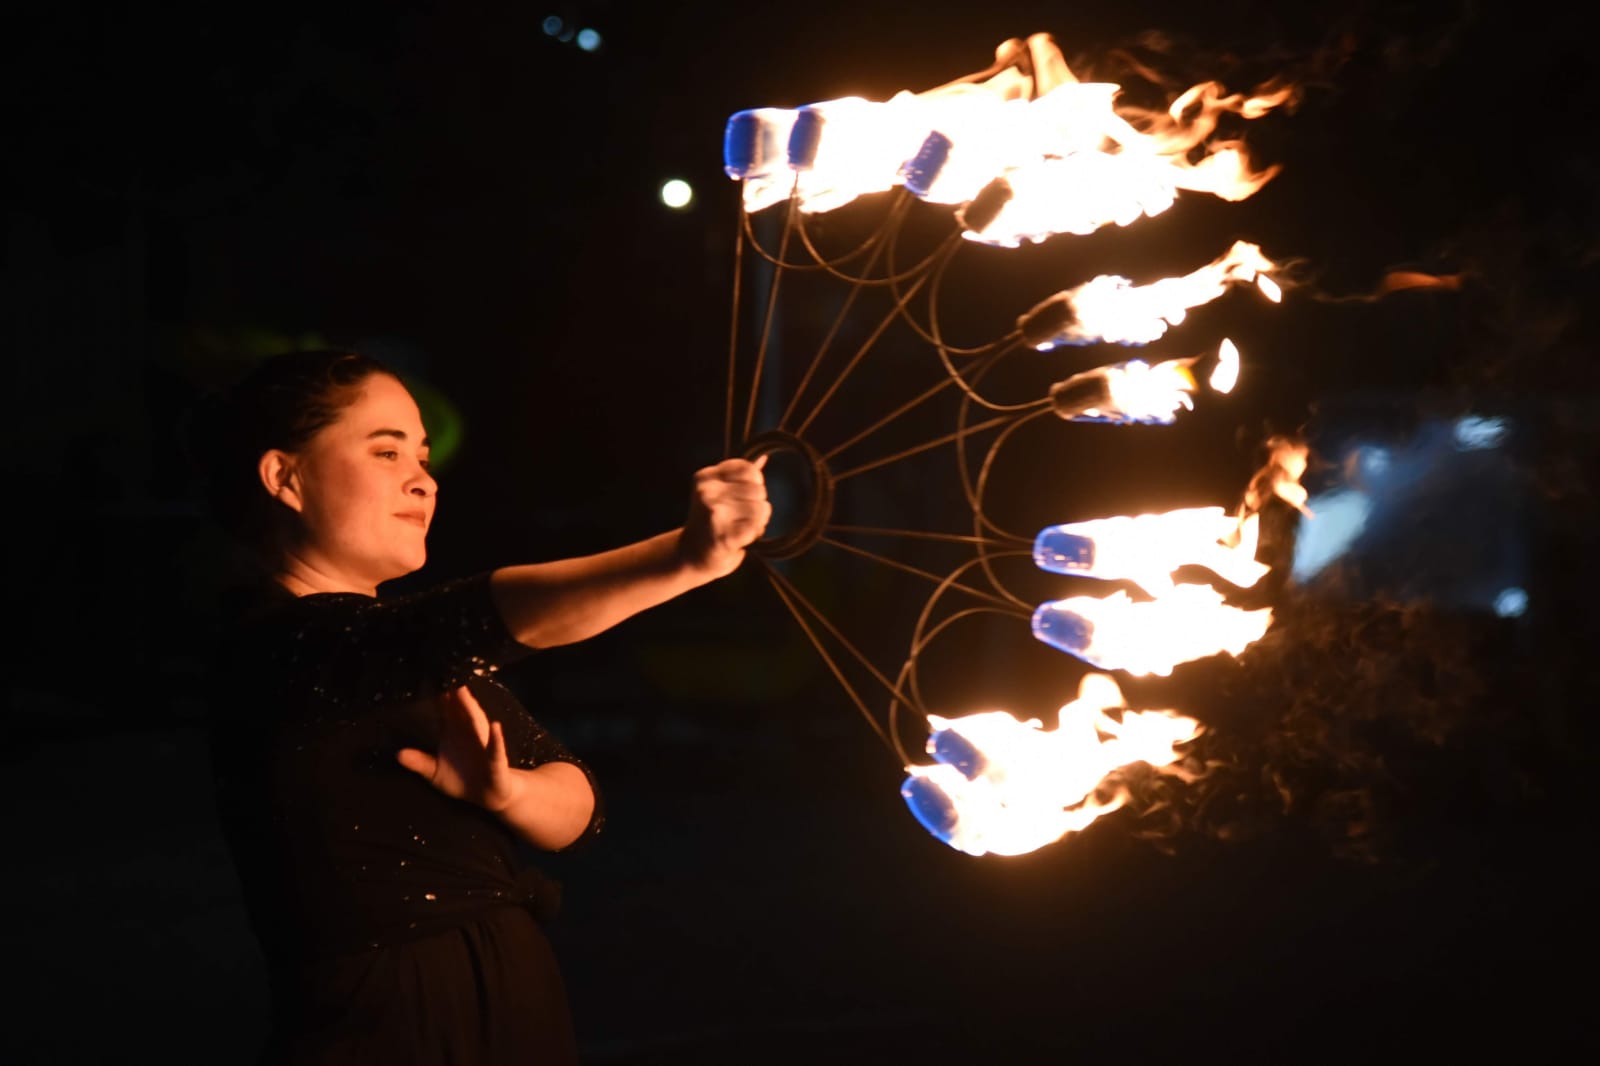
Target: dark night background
[[1391, 860]]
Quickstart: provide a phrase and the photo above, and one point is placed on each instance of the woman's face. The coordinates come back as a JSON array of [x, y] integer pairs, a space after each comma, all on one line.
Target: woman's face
[[364, 494]]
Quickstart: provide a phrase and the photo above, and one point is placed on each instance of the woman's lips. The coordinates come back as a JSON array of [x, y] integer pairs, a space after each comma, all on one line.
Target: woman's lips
[[414, 516]]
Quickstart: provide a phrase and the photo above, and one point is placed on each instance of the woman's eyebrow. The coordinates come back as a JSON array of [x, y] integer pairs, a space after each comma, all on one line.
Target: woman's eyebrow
[[397, 434]]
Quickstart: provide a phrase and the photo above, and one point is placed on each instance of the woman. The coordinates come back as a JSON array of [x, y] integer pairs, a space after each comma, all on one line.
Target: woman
[[373, 780]]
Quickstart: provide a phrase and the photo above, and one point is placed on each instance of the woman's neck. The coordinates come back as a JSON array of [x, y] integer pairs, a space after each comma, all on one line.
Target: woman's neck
[[304, 578]]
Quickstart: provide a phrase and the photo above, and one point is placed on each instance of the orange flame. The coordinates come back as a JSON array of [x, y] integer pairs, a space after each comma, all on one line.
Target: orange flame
[[1184, 623], [1114, 309], [1280, 477], [1147, 549], [1074, 163], [1006, 786]]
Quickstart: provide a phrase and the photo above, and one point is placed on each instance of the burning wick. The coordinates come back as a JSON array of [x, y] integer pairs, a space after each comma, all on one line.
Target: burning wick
[[1114, 309], [1134, 391], [1003, 786], [1148, 548], [1073, 160], [1117, 633]]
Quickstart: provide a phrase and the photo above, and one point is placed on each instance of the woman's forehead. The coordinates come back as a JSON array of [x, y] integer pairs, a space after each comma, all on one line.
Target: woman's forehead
[[383, 404]]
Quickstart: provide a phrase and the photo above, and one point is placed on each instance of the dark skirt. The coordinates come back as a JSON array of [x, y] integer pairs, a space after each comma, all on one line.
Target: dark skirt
[[482, 994]]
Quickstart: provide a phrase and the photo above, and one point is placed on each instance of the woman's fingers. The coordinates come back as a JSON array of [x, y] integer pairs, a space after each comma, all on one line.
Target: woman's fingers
[[419, 762], [497, 747], [470, 713], [735, 492], [729, 511]]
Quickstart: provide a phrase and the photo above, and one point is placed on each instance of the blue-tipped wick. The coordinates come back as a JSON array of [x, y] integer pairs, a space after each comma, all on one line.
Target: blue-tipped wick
[[922, 169], [953, 749], [931, 806], [1061, 552], [1060, 628], [741, 144], [805, 137]]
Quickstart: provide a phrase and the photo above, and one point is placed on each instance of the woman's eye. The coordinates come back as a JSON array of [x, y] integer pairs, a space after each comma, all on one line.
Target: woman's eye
[[388, 455]]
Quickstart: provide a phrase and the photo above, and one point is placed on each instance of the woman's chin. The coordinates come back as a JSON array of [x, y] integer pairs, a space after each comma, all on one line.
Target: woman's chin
[[401, 566]]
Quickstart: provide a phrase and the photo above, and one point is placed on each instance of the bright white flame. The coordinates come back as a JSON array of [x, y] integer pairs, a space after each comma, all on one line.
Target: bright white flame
[[1074, 162], [1134, 391], [1225, 375], [1004, 786], [1187, 622], [1146, 393], [676, 193], [1111, 308], [1148, 548], [1269, 289]]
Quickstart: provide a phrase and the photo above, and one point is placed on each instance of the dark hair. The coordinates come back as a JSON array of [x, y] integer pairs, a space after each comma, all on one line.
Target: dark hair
[[282, 403]]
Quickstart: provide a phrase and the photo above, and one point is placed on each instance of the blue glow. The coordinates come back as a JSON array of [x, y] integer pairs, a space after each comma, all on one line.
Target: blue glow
[[742, 144], [1067, 630], [922, 169], [1473, 433], [1060, 551], [931, 806], [588, 40], [552, 25], [804, 137], [1511, 603], [1422, 509], [952, 748], [1340, 518]]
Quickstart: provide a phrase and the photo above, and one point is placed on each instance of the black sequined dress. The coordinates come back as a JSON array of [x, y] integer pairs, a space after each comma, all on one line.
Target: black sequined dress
[[399, 925]]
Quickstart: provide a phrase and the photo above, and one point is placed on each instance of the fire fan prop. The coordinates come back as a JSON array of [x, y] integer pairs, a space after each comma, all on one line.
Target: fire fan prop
[[1012, 156]]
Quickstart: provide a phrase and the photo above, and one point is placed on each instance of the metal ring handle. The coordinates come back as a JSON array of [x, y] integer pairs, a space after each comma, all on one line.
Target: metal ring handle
[[819, 501]]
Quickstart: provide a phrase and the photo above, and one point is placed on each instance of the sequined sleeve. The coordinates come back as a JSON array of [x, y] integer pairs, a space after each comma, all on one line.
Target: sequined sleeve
[[530, 744]]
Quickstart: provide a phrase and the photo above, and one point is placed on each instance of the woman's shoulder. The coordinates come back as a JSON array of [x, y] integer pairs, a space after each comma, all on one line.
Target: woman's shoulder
[[373, 649], [452, 617]]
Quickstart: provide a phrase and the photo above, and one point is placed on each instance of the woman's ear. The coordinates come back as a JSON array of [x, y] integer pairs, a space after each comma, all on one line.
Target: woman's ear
[[280, 477]]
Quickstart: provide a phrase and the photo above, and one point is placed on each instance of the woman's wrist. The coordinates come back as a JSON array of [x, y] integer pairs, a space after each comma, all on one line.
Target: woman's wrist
[[554, 802]]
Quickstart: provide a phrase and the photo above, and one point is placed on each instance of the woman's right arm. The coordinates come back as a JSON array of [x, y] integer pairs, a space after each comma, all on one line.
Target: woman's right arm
[[549, 604]]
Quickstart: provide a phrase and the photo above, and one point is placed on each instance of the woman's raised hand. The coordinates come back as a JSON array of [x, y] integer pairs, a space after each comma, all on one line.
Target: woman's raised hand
[[471, 762], [727, 512]]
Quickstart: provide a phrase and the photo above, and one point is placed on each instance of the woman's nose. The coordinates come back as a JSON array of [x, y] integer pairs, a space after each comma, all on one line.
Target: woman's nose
[[423, 484]]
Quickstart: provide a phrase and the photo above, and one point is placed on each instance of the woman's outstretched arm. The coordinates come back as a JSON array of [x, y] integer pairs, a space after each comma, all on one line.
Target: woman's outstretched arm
[[562, 602]]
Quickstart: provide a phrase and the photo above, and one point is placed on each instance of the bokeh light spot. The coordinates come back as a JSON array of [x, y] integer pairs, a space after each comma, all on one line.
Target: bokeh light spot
[[676, 193], [1511, 603]]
